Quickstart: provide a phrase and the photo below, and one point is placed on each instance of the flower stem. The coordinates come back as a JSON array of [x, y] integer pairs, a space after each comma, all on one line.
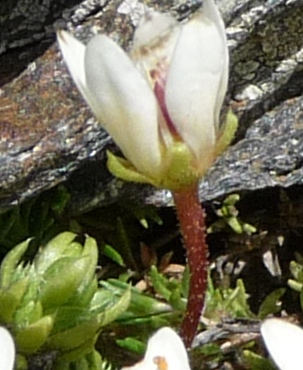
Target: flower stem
[[192, 225]]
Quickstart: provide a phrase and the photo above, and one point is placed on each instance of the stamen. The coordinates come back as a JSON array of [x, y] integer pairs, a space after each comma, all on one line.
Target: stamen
[[161, 363]]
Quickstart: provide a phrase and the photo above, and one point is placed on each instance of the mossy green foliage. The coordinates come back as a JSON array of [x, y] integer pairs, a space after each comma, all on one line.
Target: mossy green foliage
[[229, 218], [70, 304], [39, 218], [54, 304]]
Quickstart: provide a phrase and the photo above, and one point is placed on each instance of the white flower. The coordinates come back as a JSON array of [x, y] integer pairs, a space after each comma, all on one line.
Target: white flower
[[165, 98], [284, 342], [165, 351], [7, 350]]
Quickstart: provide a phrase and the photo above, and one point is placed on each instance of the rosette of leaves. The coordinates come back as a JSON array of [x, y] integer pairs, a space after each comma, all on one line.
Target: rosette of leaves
[[53, 306]]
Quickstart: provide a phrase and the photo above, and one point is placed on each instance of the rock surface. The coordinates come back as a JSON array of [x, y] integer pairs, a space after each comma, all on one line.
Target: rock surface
[[48, 135]]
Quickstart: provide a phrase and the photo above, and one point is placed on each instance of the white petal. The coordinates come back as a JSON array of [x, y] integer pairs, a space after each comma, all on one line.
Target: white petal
[[7, 350], [210, 10], [284, 342], [73, 52], [165, 351], [123, 102], [167, 344], [152, 26], [194, 82]]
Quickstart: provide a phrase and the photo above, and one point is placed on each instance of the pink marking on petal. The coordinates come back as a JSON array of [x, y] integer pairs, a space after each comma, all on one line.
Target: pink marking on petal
[[159, 89]]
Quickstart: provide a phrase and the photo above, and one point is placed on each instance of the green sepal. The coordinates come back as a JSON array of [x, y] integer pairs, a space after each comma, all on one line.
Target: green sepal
[[124, 170], [179, 169], [227, 133], [33, 336]]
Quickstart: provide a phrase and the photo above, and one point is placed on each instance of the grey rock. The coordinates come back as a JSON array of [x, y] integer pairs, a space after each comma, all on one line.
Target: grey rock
[[48, 135]]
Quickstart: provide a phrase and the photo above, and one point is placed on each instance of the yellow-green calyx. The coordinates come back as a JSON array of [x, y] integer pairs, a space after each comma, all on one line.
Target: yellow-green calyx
[[180, 168]]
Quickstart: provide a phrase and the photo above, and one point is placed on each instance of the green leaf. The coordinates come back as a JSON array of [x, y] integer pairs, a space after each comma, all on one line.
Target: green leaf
[[271, 303], [159, 283], [111, 253], [10, 262], [28, 313], [83, 297], [94, 360], [112, 313], [74, 337], [295, 285], [301, 299], [256, 362], [237, 301], [227, 132], [210, 349], [185, 282], [81, 364], [132, 344], [54, 249], [222, 301], [125, 245], [62, 279], [73, 355], [140, 304], [124, 170], [10, 299], [176, 300], [60, 200], [21, 363], [296, 270], [87, 287], [33, 336]]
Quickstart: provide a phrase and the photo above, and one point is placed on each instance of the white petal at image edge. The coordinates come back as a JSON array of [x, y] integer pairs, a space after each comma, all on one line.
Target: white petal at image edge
[[284, 342], [7, 350]]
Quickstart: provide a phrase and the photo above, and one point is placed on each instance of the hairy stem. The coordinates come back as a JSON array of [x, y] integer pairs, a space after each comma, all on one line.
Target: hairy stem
[[192, 225]]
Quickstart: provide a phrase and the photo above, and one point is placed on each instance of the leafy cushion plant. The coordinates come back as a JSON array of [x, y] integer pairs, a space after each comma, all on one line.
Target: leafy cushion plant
[[53, 305]]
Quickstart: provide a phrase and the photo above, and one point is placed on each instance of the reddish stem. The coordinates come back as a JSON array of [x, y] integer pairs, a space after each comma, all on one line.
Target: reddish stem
[[192, 225]]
